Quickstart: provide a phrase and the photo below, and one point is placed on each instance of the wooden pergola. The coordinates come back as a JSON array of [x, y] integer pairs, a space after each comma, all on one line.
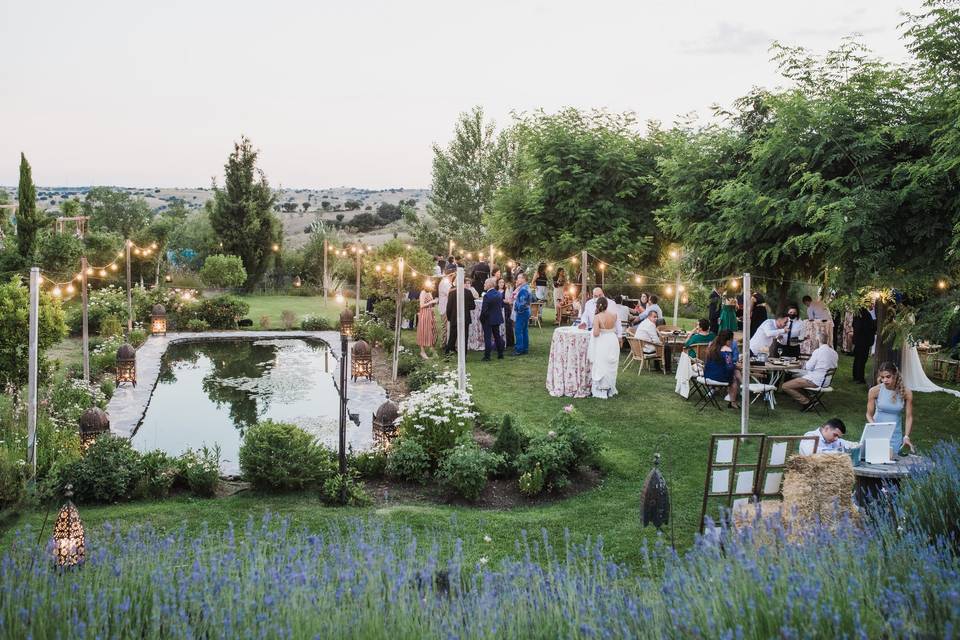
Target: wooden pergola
[[79, 221]]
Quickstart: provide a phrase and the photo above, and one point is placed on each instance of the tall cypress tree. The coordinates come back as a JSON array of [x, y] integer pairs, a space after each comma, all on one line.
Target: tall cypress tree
[[29, 220], [242, 213]]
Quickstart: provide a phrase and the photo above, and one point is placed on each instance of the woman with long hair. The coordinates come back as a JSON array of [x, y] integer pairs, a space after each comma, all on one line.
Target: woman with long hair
[[891, 401], [540, 281], [721, 365], [604, 351], [425, 319], [559, 283]]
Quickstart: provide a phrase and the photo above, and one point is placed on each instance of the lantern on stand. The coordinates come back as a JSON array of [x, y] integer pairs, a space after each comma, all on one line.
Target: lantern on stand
[[297, 282], [69, 544], [346, 323], [385, 424], [158, 320], [362, 365], [94, 422], [126, 365]]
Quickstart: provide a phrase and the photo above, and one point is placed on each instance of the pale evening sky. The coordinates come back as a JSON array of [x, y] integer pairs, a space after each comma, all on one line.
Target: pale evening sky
[[134, 93]]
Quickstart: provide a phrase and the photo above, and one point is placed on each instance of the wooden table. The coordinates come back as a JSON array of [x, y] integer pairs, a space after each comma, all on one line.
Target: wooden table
[[670, 340], [873, 478]]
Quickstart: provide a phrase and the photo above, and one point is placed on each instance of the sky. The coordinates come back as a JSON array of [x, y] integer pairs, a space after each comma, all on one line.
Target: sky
[[355, 93]]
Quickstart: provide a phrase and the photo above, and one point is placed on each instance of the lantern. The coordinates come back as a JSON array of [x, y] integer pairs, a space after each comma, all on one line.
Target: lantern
[[655, 497], [385, 424], [158, 320], [69, 545], [168, 278], [346, 323], [297, 282], [126, 365], [362, 358], [94, 422]]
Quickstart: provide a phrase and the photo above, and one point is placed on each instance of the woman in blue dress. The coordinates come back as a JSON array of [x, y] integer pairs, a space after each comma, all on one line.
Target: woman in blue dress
[[720, 365], [890, 401]]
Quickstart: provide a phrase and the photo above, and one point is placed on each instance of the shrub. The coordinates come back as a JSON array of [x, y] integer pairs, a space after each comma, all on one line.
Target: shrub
[[385, 311], [315, 323], [408, 362], [369, 464], [264, 322], [569, 425], [367, 328], [201, 469], [437, 416], [13, 478], [158, 472], [277, 456], [108, 472], [69, 398], [223, 271], [930, 501], [288, 319], [197, 325], [344, 489], [408, 460], [103, 356], [111, 326], [511, 441], [138, 337], [555, 458], [532, 482], [423, 376], [110, 301], [222, 312], [465, 469], [107, 388]]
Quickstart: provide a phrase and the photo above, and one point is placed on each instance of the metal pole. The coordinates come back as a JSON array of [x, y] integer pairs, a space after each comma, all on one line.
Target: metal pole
[[461, 338], [343, 404], [86, 328], [357, 314], [399, 319], [745, 383], [32, 371], [326, 246], [583, 280], [129, 294]]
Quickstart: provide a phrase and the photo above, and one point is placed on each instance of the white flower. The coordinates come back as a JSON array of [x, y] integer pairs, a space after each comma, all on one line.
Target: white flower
[[487, 538], [484, 559]]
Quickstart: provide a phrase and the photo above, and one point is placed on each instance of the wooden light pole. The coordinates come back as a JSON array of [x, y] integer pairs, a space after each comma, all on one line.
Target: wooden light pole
[[86, 330], [326, 247], [745, 383], [583, 279], [129, 293], [461, 338], [676, 290], [398, 318], [359, 258], [32, 371]]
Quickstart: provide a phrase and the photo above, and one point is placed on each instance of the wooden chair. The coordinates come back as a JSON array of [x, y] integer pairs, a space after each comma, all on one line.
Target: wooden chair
[[816, 394], [536, 311], [654, 356], [565, 313], [636, 351]]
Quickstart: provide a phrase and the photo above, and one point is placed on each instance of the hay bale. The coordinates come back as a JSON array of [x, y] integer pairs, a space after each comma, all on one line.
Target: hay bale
[[818, 488], [750, 513]]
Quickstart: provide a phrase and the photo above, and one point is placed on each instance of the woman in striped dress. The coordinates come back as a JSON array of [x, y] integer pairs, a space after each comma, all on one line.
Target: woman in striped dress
[[425, 319]]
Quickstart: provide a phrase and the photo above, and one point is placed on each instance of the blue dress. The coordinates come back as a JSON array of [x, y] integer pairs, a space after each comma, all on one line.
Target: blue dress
[[890, 407]]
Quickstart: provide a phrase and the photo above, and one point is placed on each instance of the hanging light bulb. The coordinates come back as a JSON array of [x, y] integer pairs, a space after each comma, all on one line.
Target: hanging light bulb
[[674, 254], [734, 284], [339, 298], [469, 256], [389, 268], [573, 259], [414, 273], [136, 251], [499, 253], [511, 264], [276, 247], [428, 284], [153, 246], [369, 247], [681, 288], [103, 273], [942, 284], [637, 279], [602, 266], [113, 267], [70, 288], [56, 291], [377, 268], [549, 268], [684, 300], [89, 271], [669, 290]]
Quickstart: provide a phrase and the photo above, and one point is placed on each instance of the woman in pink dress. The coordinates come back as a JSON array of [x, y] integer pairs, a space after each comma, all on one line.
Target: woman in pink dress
[[425, 319]]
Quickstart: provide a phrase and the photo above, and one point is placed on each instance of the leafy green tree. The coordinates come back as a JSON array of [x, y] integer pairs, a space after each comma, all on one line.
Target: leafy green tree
[[305, 206], [582, 181], [223, 271], [364, 222], [384, 283], [466, 175], [325, 205], [352, 205], [242, 214], [59, 253], [192, 240], [71, 207], [29, 219], [15, 331], [116, 211]]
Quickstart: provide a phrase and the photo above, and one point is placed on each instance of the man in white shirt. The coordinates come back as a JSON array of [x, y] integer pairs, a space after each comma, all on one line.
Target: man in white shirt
[[766, 334], [816, 309], [815, 370], [590, 309], [829, 440], [647, 331]]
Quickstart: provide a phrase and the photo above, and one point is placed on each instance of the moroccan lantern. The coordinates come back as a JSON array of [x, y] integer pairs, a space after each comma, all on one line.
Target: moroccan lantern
[[655, 497], [126, 365], [385, 424], [362, 361], [158, 320], [346, 323], [69, 544], [94, 422]]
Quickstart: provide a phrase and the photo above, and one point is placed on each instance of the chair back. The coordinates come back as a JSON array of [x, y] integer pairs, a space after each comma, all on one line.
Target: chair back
[[535, 309], [636, 349], [828, 378], [700, 349]]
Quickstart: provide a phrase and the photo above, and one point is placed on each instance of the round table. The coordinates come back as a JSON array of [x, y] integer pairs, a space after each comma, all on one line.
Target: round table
[[871, 478], [775, 374], [568, 368], [672, 341]]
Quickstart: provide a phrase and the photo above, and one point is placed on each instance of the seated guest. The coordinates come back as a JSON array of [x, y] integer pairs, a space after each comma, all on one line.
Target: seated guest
[[721, 366], [821, 360], [767, 333], [702, 335], [647, 330], [829, 438], [652, 307], [816, 309]]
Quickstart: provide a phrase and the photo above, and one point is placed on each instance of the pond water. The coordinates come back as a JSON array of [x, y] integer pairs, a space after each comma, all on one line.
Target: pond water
[[211, 392]]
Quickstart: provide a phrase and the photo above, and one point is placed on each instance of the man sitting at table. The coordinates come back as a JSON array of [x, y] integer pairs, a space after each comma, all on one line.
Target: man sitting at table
[[766, 334], [701, 335], [829, 440], [815, 370], [647, 331]]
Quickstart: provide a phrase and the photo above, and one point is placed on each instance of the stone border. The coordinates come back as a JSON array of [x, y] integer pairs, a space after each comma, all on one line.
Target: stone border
[[129, 404]]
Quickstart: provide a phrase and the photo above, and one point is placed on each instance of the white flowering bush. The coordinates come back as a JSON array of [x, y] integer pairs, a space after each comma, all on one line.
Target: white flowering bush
[[67, 400], [437, 416], [103, 356], [110, 301]]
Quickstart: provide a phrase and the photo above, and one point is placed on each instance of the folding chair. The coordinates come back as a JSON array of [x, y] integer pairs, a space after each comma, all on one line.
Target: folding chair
[[815, 395], [535, 310], [711, 390]]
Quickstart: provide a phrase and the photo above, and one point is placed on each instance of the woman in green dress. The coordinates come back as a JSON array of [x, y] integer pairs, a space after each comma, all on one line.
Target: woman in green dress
[[728, 315]]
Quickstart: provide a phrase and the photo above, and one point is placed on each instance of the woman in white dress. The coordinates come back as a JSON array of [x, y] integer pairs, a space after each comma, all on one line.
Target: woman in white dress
[[604, 351]]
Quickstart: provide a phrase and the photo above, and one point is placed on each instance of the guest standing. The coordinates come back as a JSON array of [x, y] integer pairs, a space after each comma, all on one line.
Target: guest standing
[[604, 351], [491, 318], [758, 312], [522, 298], [559, 284], [468, 307], [713, 312], [728, 315], [540, 281], [425, 333], [479, 275], [506, 292], [890, 401], [864, 333]]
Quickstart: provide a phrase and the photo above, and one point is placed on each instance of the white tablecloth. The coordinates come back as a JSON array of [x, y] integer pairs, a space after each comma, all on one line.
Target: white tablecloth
[[568, 368]]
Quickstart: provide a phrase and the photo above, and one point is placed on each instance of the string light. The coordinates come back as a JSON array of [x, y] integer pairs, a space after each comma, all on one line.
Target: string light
[[942, 284], [70, 288], [734, 284], [669, 290], [113, 266], [389, 268], [681, 288], [638, 279], [378, 268], [339, 298], [56, 291], [89, 271], [674, 254], [103, 273]]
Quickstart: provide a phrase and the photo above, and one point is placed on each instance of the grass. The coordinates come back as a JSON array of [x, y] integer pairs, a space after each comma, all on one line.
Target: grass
[[301, 306], [646, 418]]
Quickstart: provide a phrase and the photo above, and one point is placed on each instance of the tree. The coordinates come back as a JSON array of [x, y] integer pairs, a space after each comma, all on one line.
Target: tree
[[364, 222], [466, 175], [71, 208], [59, 253], [223, 271], [116, 211], [305, 206], [352, 205], [582, 181], [15, 331], [242, 214], [192, 240], [289, 207], [389, 212], [29, 219], [325, 205]]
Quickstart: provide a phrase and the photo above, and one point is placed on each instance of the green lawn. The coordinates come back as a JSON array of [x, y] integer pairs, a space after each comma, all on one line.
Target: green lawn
[[301, 306], [647, 417]]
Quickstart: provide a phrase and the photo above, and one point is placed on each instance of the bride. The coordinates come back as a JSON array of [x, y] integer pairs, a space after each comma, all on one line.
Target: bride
[[604, 352]]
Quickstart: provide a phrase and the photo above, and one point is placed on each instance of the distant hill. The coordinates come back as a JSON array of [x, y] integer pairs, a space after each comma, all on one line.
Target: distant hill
[[294, 221]]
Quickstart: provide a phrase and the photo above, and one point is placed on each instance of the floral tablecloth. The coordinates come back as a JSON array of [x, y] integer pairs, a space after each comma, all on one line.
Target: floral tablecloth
[[818, 332], [568, 369], [475, 334]]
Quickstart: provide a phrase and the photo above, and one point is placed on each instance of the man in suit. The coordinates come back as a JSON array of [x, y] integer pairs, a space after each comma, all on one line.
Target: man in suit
[[491, 317], [716, 302], [864, 332], [451, 311], [479, 274]]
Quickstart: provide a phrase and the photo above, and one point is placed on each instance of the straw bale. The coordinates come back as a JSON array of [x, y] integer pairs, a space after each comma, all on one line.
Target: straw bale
[[748, 514], [818, 488]]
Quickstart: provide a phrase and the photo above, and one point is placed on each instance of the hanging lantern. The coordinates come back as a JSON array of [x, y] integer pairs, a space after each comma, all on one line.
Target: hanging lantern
[[655, 497], [69, 544], [158, 320], [126, 364], [94, 422], [346, 323], [297, 282], [362, 359], [385, 425], [168, 278]]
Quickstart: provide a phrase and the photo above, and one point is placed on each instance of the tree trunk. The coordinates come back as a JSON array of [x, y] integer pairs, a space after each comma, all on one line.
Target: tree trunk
[[886, 350], [783, 290]]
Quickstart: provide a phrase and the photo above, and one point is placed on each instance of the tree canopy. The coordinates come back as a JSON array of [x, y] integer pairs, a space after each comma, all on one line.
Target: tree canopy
[[30, 220], [116, 211]]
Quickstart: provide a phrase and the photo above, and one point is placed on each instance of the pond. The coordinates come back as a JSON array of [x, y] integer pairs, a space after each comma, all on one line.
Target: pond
[[211, 392]]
